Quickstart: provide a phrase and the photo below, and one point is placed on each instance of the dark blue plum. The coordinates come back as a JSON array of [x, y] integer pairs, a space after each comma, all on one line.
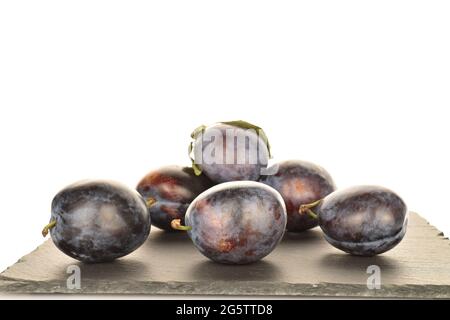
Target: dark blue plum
[[299, 183], [363, 220], [168, 192], [230, 151], [98, 221], [237, 222]]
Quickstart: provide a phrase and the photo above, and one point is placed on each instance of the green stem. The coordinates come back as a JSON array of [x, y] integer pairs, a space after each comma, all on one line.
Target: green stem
[[176, 224], [307, 209], [311, 213], [48, 227]]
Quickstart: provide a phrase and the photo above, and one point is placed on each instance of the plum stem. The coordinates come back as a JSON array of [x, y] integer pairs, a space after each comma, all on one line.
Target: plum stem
[[311, 213], [176, 224], [150, 201], [307, 208], [48, 227]]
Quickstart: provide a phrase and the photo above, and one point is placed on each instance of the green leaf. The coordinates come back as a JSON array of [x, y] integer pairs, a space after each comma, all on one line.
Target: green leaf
[[247, 125], [197, 169], [194, 135], [197, 131]]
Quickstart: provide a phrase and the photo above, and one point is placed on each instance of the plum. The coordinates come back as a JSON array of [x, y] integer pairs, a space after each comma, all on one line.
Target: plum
[[299, 183], [363, 220], [229, 151], [98, 221], [168, 192], [236, 222]]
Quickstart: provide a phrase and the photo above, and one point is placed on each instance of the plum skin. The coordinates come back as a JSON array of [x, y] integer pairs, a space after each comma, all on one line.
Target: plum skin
[[99, 221], [299, 182], [234, 171], [363, 220], [237, 222], [173, 188]]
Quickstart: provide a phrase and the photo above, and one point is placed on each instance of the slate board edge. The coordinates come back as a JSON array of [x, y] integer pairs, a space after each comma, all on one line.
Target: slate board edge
[[227, 288]]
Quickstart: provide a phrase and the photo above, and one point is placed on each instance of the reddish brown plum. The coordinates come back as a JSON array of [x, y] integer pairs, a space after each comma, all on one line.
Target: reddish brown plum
[[299, 182], [168, 192], [237, 222], [363, 220], [230, 151]]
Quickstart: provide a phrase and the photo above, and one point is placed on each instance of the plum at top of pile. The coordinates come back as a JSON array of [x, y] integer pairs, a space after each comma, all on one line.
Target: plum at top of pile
[[229, 151]]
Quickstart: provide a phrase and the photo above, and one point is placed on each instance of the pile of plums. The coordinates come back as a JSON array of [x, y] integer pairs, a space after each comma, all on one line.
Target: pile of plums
[[234, 206]]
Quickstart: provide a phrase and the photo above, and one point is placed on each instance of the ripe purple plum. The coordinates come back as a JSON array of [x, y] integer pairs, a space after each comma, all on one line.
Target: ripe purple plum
[[229, 151], [299, 183], [236, 222], [168, 192], [362, 220], [98, 221]]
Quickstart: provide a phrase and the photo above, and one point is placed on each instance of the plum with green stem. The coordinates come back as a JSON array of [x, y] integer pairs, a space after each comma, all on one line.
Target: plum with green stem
[[299, 183], [236, 222], [361, 220], [98, 221], [168, 191]]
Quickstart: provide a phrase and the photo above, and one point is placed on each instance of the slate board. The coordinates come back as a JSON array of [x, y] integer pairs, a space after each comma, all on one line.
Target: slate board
[[302, 265]]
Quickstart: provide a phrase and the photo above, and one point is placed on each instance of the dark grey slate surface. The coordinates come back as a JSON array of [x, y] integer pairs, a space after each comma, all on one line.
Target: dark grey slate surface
[[303, 265]]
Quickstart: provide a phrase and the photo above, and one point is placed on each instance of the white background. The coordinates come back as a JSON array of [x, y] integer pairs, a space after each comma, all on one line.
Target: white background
[[112, 89]]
